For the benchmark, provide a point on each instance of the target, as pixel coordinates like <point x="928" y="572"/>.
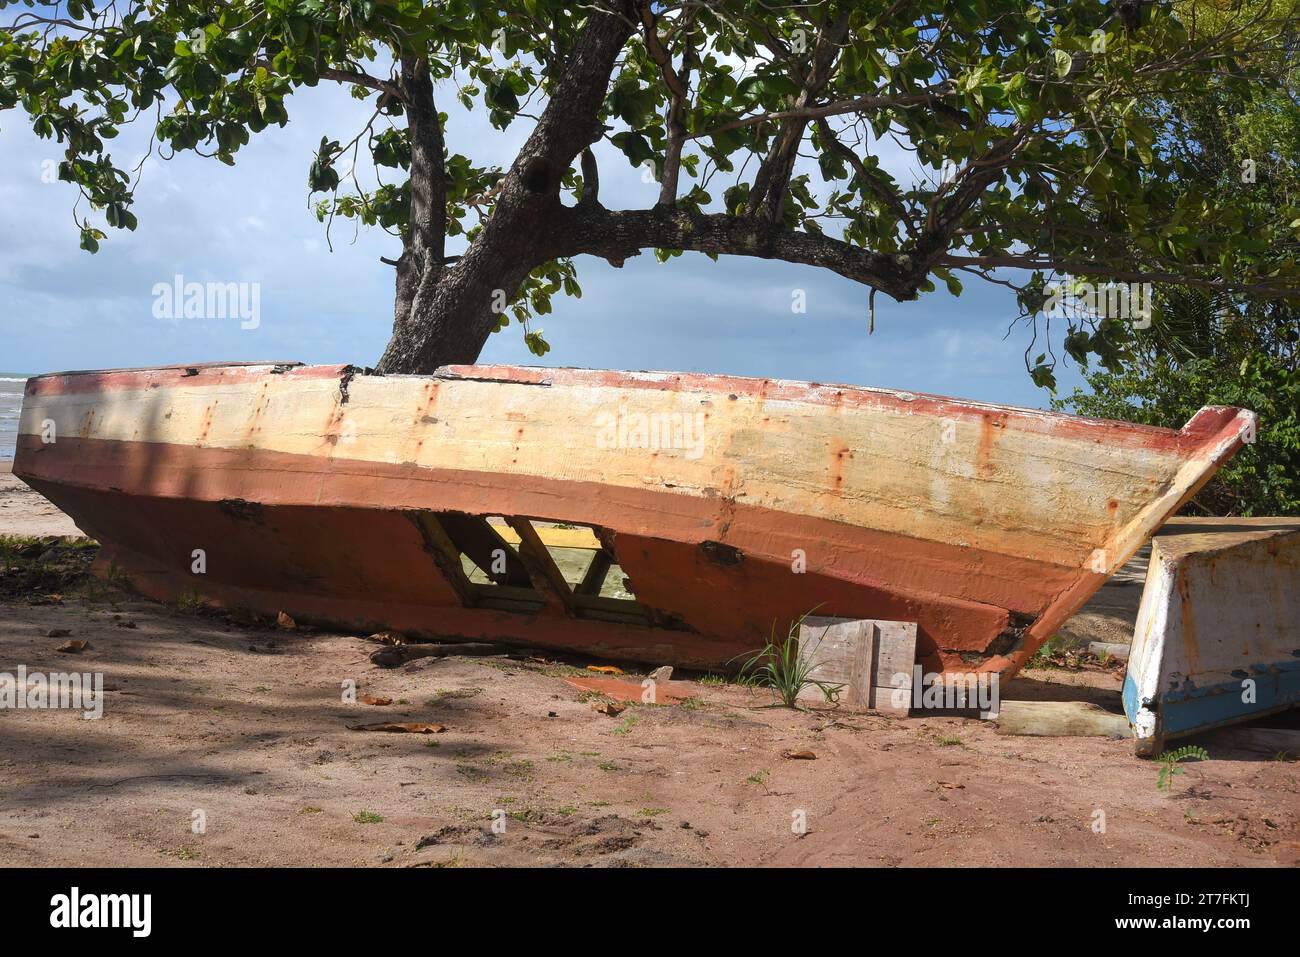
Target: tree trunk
<point x="452" y="310"/>
<point x="456" y="308"/>
<point x="424" y="243"/>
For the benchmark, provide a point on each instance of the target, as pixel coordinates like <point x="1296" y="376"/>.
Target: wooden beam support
<point x="445" y="556"/>
<point x="594" y="579"/>
<point x="545" y="575"/>
<point x="476" y="537"/>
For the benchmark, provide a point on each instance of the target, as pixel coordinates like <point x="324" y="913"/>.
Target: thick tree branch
<point x="679" y="93"/>
<point x="617" y="235"/>
<point x="571" y="121"/>
<point x="590" y="178"/>
<point x="452" y="317"/>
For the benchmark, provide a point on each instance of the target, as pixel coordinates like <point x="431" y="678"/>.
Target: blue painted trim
<point x="1191" y="709"/>
<point x="1131" y="703"/>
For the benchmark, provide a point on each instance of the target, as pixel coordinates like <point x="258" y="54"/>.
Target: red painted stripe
<point x="199" y="374"/>
<point x="958" y="595"/>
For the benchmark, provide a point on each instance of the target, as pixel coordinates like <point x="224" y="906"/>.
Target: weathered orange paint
<point x="328" y="537"/>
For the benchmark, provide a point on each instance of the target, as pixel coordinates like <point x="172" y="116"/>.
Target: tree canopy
<point x="762" y="124"/>
<point x="1217" y="347"/>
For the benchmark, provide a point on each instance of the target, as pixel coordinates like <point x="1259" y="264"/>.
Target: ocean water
<point x="11" y="401"/>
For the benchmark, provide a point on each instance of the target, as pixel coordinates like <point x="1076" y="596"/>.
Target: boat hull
<point x="1217" y="640"/>
<point x="730" y="506"/>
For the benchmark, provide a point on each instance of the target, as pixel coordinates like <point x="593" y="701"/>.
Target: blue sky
<point x="66" y="309"/>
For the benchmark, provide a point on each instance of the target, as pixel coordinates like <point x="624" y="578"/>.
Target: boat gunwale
<point x="762" y="388"/>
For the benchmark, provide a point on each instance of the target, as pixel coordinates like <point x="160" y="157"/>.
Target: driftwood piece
<point x="1059" y="719"/>
<point x="1115" y="649"/>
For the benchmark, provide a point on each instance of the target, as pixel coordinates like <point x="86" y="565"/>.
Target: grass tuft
<point x="779" y="665"/>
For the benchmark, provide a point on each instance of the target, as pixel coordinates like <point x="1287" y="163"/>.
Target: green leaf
<point x="634" y="146"/>
<point x="1063" y="63"/>
<point x="536" y="344"/>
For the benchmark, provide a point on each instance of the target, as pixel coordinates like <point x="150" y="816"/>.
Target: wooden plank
<point x="1114" y="649"/>
<point x="445" y="556"/>
<point x="594" y="579"/>
<point x="1059" y="719"/>
<point x="522" y="601"/>
<point x="474" y="536"/>
<point x="552" y="536"/>
<point x="546" y="577"/>
<point x="871" y="658"/>
<point x="622" y="610"/>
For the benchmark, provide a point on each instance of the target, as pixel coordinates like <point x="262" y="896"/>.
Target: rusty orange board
<point x="708" y="509"/>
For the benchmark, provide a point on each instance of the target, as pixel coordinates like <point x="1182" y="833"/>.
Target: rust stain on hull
<point x="981" y="523"/>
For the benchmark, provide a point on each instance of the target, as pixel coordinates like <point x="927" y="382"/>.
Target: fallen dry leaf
<point x="376" y="701"/>
<point x="74" y="647"/>
<point x="799" y="755"/>
<point x="401" y="727"/>
<point x="631" y="691"/>
<point x="605" y="669"/>
<point x="388" y="638"/>
<point x="952" y="787"/>
<point x="284" y="621"/>
<point x="610" y="708"/>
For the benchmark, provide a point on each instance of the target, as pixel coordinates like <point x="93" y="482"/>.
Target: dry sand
<point x="245" y="731"/>
<point x="24" y="512"/>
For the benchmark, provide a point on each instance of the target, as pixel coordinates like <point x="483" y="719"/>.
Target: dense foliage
<point x="1236" y="146"/>
<point x="762" y="124"/>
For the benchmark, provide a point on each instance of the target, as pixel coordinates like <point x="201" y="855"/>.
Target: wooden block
<point x="871" y="658"/>
<point x="1113" y="648"/>
<point x="1059" y="719"/>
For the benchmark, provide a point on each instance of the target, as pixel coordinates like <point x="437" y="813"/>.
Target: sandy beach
<point x="25" y="512"/>
<point x="223" y="743"/>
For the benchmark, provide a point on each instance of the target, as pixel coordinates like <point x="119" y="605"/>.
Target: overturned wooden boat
<point x="658" y="517"/>
<point x="1217" y="640"/>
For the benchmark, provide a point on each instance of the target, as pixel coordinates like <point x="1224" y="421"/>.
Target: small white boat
<point x="1217" y="640"/>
